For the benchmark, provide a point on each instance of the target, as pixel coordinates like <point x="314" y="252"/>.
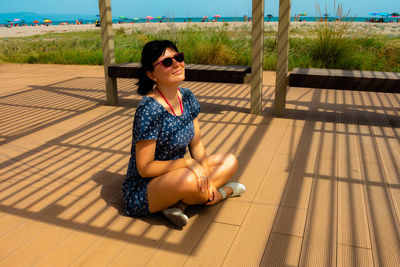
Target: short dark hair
<point x="150" y="53"/>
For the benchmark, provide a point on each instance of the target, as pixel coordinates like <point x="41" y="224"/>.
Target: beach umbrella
<point x="303" y="14"/>
<point x="395" y="14"/>
<point x="135" y="18"/>
<point x="269" y="16"/>
<point x="35" y="21"/>
<point x="149" y="17"/>
<point x="17" y="20"/>
<point x="205" y="17"/>
<point x="47" y="20"/>
<point x="217" y="16"/>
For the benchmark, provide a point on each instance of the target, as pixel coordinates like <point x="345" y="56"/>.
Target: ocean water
<point x="199" y="19"/>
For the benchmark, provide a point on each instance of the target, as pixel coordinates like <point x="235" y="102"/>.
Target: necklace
<point x="180" y="102"/>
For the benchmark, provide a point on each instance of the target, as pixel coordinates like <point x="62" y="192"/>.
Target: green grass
<point x="210" y="46"/>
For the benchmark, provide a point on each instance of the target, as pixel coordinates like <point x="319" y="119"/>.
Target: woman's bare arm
<point x="148" y="167"/>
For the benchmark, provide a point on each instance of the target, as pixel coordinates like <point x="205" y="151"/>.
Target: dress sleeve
<point x="193" y="103"/>
<point x="147" y="123"/>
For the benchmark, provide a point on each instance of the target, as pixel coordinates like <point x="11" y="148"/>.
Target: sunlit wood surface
<point x="323" y="183"/>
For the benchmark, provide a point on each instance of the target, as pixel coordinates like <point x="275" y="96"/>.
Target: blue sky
<point x="188" y="8"/>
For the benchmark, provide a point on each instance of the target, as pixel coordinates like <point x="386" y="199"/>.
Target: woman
<point x="159" y="178"/>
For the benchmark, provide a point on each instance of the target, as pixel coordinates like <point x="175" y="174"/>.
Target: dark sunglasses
<point x="167" y="62"/>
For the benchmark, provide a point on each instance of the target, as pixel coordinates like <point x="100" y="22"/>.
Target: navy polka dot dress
<point x="172" y="134"/>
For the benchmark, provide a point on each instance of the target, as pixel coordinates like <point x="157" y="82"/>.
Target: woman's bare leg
<point x="181" y="184"/>
<point x="222" y="168"/>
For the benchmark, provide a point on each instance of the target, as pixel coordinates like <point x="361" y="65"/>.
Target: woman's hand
<point x="217" y="197"/>
<point x="204" y="182"/>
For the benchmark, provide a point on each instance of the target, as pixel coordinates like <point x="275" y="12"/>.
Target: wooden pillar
<point x="107" y="41"/>
<point x="283" y="58"/>
<point x="257" y="50"/>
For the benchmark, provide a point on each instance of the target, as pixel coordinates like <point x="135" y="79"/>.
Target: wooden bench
<point x="375" y="81"/>
<point x="193" y="72"/>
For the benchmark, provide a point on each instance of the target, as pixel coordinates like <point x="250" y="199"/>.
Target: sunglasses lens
<point x="179" y="57"/>
<point x="167" y="62"/>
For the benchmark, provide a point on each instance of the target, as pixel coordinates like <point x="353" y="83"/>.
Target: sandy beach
<point x="297" y="28"/>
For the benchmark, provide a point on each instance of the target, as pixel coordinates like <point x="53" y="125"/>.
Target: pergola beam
<point x="282" y="58"/>
<point x="257" y="53"/>
<point x="107" y="41"/>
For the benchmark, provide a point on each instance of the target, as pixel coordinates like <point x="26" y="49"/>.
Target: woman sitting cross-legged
<point x="159" y="178"/>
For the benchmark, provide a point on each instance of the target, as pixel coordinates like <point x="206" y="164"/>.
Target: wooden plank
<point x="345" y="79"/>
<point x="213" y="246"/>
<point x="352" y="217"/>
<point x="124" y="70"/>
<point x="319" y="243"/>
<point x="354" y="256"/>
<point x="282" y="250"/>
<point x="249" y="244"/>
<point x="138" y="250"/>
<point x="177" y="245"/>
<point x="193" y="72"/>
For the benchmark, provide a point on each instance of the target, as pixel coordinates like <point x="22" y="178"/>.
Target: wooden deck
<point x="323" y="182"/>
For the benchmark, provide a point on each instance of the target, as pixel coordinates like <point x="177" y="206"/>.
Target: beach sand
<point x="297" y="28"/>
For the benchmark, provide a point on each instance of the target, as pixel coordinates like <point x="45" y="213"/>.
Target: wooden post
<point x="107" y="41"/>
<point x="257" y="50"/>
<point x="283" y="57"/>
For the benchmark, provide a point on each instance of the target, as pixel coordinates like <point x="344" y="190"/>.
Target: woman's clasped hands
<point x="204" y="182"/>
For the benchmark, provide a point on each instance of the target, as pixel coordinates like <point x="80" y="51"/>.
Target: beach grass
<point x="211" y="45"/>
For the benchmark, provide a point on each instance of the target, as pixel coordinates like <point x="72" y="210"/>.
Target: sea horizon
<point x="188" y="19"/>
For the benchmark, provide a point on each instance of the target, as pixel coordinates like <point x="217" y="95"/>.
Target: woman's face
<point x="173" y="74"/>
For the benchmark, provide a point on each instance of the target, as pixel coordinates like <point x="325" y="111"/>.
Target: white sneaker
<point x="176" y="216"/>
<point x="237" y="189"/>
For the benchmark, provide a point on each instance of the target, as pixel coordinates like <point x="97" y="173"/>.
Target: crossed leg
<point x="181" y="185"/>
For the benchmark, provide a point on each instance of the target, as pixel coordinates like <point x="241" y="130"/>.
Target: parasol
<point x="149" y="17"/>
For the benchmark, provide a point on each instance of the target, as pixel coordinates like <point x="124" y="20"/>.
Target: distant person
<point x="159" y="177"/>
